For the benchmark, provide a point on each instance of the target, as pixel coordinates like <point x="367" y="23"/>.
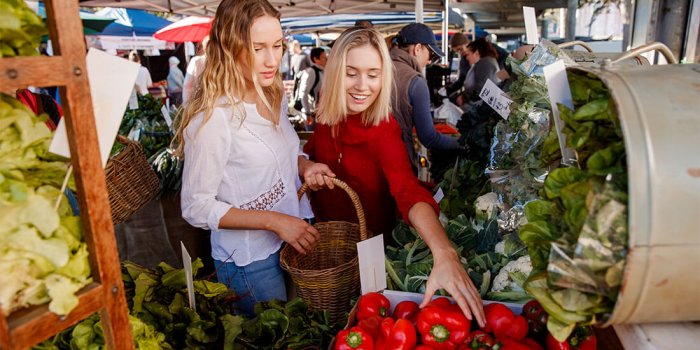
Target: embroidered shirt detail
<point x="268" y="199"/>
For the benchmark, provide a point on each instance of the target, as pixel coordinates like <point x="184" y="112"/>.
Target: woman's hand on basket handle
<point x="448" y="273"/>
<point x="298" y="233"/>
<point x="316" y="175"/>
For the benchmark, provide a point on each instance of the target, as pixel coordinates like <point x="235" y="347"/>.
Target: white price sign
<point x="496" y="99"/>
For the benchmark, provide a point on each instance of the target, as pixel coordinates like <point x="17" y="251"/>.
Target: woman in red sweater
<point x="361" y="143"/>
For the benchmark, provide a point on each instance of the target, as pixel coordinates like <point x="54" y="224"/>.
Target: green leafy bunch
<point x="42" y="253"/>
<point x="584" y="201"/>
<point x="20" y="29"/>
<point x="146" y="125"/>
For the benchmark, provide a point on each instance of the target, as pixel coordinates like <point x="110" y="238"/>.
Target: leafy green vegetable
<point x="20" y="29"/>
<point x="577" y="232"/>
<point x="41" y="248"/>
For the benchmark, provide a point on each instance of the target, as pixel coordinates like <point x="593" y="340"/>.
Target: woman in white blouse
<point x="242" y="156"/>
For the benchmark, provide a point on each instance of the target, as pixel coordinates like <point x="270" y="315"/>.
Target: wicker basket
<point x="131" y="182"/>
<point x="328" y="277"/>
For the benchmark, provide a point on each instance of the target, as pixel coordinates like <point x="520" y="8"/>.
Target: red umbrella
<point x="188" y="29"/>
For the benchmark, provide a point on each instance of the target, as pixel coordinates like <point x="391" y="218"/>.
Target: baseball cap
<point x="458" y="39"/>
<point x="419" y="33"/>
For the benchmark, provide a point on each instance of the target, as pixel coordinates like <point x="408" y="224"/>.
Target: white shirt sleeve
<point x="207" y="151"/>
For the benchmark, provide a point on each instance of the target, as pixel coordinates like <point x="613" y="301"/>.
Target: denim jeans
<point x="258" y="281"/>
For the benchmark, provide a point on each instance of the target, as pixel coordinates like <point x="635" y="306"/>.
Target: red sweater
<point x="373" y="162"/>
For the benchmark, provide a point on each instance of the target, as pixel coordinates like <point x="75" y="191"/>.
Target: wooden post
<point x="68" y="70"/>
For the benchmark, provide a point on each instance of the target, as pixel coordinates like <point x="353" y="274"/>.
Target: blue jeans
<point x="258" y="281"/>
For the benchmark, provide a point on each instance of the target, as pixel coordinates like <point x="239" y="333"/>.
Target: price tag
<point x="370" y="253"/>
<point x="559" y="92"/>
<point x="111" y="82"/>
<point x="530" y="25"/>
<point x="439" y="195"/>
<point x="496" y="99"/>
<point x="166" y="115"/>
<point x="187" y="264"/>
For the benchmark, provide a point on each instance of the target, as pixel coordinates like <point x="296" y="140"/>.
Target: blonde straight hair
<point x="229" y="47"/>
<point x="332" y="108"/>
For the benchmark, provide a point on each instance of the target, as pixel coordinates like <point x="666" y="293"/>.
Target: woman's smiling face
<point x="363" y="78"/>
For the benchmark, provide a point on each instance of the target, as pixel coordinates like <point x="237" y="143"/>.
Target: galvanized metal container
<point x="659" y="109"/>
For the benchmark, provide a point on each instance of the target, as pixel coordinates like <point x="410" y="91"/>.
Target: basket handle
<point x="127" y="141"/>
<point x="353" y="197"/>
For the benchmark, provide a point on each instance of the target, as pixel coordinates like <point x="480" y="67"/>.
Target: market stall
<point x="567" y="215"/>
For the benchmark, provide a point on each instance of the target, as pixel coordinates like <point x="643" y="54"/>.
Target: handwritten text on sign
<point x="496" y="99"/>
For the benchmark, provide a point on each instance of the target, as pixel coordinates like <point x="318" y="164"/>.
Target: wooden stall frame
<point x="67" y="69"/>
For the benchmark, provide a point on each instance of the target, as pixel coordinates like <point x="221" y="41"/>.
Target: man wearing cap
<point x="458" y="44"/>
<point x="416" y="48"/>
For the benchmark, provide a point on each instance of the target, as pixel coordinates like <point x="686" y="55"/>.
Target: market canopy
<point x="297" y="8"/>
<point x="384" y="21"/>
<point x="497" y="16"/>
<point x="132" y="22"/>
<point x="92" y="23"/>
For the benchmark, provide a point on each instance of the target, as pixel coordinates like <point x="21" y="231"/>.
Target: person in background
<point x="411" y="98"/>
<point x="193" y="69"/>
<point x="310" y="83"/>
<point x="458" y="44"/>
<point x="361" y="142"/>
<point x="143" y="79"/>
<point x="175" y="81"/>
<point x="242" y="159"/>
<point x="482" y="58"/>
<point x="364" y="23"/>
<point x="501" y="53"/>
<point x="299" y="61"/>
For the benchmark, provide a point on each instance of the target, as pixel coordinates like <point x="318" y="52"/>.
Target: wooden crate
<point x="25" y="328"/>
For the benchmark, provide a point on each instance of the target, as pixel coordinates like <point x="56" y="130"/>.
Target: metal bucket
<point x="659" y="109"/>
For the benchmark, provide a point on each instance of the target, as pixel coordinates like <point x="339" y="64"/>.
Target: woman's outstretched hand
<point x="449" y="274"/>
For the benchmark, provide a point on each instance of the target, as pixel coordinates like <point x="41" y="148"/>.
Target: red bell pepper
<point x="536" y="319"/>
<point x="372" y="304"/>
<point x="503" y="323"/>
<point x="512" y="344"/>
<point x="396" y="335"/>
<point x="354" y="339"/>
<point x="582" y="338"/>
<point x="478" y="339"/>
<point x="423" y="347"/>
<point x="371" y="325"/>
<point x="442" y="327"/>
<point x="406" y="309"/>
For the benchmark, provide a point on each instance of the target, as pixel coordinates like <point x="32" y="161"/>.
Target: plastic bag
<point x="514" y="168"/>
<point x="596" y="263"/>
<point x="544" y="54"/>
<point x="449" y="111"/>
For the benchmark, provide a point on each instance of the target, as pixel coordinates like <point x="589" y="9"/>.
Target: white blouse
<point x="251" y="165"/>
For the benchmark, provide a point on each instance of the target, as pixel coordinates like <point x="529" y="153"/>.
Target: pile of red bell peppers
<point x="441" y="325"/>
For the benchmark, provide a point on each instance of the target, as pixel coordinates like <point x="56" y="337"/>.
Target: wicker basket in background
<point x="328" y="277"/>
<point x="131" y="182"/>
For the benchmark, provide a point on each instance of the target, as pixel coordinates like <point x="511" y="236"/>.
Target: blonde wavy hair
<point x="332" y="108"/>
<point x="228" y="53"/>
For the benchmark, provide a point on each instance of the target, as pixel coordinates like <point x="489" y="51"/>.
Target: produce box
<point x="396" y="297"/>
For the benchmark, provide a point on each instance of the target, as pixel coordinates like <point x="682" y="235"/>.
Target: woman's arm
<point x="448" y="273"/>
<point x="298" y="233"/>
<point x="420" y="210"/>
